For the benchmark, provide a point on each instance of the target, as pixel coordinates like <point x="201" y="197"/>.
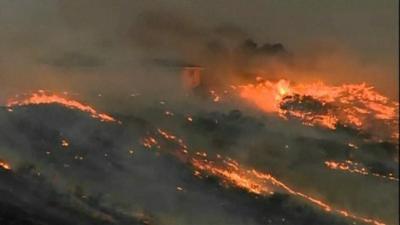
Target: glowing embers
<point x="309" y="110"/>
<point x="356" y="168"/>
<point x="150" y="142"/>
<point x="42" y="97"/>
<point x="173" y="138"/>
<point x="232" y="173"/>
<point x="316" y="202"/>
<point x="215" y="97"/>
<point x="64" y="143"/>
<point x="4" y="165"/>
<point x="357" y="106"/>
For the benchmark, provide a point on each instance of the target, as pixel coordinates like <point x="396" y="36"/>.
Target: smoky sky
<point x="125" y="58"/>
<point x="74" y="45"/>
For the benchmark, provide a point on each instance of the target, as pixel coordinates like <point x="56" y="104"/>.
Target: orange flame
<point x="64" y="143"/>
<point x="4" y="165"/>
<point x="259" y="183"/>
<point x="234" y="176"/>
<point x="149" y="142"/>
<point x="251" y="180"/>
<point x="41" y="97"/>
<point x="215" y="96"/>
<point x="352" y="105"/>
<point x="171" y="137"/>
<point x="357" y="168"/>
<point x="267" y="95"/>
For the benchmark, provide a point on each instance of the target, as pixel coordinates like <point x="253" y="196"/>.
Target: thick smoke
<point x="126" y="58"/>
<point x="230" y="55"/>
<point x="226" y="53"/>
<point x="90" y="48"/>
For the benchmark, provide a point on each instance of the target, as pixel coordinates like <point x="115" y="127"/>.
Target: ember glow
<point x="64" y="143"/>
<point x="228" y="170"/>
<point x="130" y="112"/>
<point x="232" y="173"/>
<point x="356" y="168"/>
<point x="42" y="97"/>
<point x="350" y="105"/>
<point x="4" y="165"/>
<point x="173" y="138"/>
<point x="215" y="97"/>
<point x="233" y="177"/>
<point x="280" y="96"/>
<point x="149" y="142"/>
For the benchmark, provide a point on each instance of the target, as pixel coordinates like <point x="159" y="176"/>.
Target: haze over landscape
<point x="187" y="112"/>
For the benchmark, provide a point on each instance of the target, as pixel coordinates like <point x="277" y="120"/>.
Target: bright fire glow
<point x="232" y="173"/>
<point x="5" y="165"/>
<point x="64" y="143"/>
<point x="352" y="105"/>
<point x="149" y="142"/>
<point x="42" y="97"/>
<point x="357" y="168"/>
<point x="215" y="96"/>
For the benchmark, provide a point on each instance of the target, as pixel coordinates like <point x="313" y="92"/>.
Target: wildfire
<point x="357" y="168"/>
<point x="351" y="105"/>
<point x="42" y="97"/>
<point x="267" y="95"/>
<point x="64" y="143"/>
<point x="232" y="176"/>
<point x="149" y="142"/>
<point x="260" y="183"/>
<point x="215" y="97"/>
<point x="353" y="146"/>
<point x="4" y="165"/>
<point x="169" y="113"/>
<point x="171" y="137"/>
<point x="232" y="173"/>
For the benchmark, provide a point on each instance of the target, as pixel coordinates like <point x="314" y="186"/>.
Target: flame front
<point x="266" y="95"/>
<point x="41" y="97"/>
<point x="231" y="173"/>
<point x="315" y="104"/>
<point x="350" y="105"/>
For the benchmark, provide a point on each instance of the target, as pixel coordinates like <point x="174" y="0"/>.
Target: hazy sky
<point x="131" y="52"/>
<point x="38" y="33"/>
